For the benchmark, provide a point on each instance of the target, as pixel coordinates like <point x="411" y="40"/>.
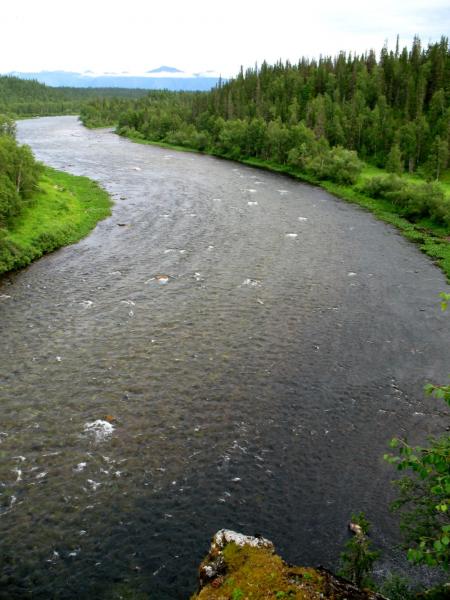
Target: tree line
<point x="392" y="111"/>
<point x="29" y="98"/>
<point x="19" y="173"/>
<point x="19" y="177"/>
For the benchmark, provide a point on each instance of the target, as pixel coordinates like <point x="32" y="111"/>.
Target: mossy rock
<point x="246" y="568"/>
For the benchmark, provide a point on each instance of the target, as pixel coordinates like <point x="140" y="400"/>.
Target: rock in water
<point x="100" y="429"/>
<point x="227" y="536"/>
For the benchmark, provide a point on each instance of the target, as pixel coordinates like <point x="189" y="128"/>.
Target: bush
<point x="7" y="126"/>
<point x="415" y="201"/>
<point x="201" y="140"/>
<point x="394" y="163"/>
<point x="377" y="187"/>
<point x="338" y="165"/>
<point x="423" y="200"/>
<point x="397" y="588"/>
<point x="8" y="253"/>
<point x="9" y="200"/>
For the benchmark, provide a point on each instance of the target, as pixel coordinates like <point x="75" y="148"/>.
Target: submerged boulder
<point x="245" y="567"/>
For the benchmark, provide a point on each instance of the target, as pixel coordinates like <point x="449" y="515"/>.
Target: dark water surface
<point x="256" y="390"/>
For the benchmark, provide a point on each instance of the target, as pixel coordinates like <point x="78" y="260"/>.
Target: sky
<point x="200" y="35"/>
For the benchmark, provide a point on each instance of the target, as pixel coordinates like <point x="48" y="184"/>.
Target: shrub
<point x="396" y="587"/>
<point x="415" y="201"/>
<point x="9" y="200"/>
<point x="377" y="187"/>
<point x="338" y="165"/>
<point x="423" y="200"/>
<point x="7" y="126"/>
<point x="394" y="163"/>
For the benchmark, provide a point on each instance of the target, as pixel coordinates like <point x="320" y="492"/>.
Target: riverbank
<point x="64" y="210"/>
<point x="258" y="336"/>
<point x="433" y="239"/>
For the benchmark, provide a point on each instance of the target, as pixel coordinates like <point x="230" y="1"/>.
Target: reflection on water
<point x="206" y="364"/>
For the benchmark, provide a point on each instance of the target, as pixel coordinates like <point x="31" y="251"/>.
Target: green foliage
<point x="9" y="198"/>
<point x="415" y="200"/>
<point x="390" y="110"/>
<point x="437" y="158"/>
<point x="380" y="186"/>
<point x="438" y="391"/>
<point x="440" y="592"/>
<point x="424" y="494"/>
<point x="422" y="201"/>
<point x="396" y="587"/>
<point x="445" y="299"/>
<point x="19" y="175"/>
<point x="423" y="499"/>
<point x="394" y="162"/>
<point x="338" y="165"/>
<point x="7" y="126"/>
<point x="27" y="98"/>
<point x="64" y="209"/>
<point x="358" y="558"/>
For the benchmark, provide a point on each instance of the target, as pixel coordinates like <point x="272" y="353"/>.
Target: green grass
<point x="371" y="171"/>
<point x="64" y="210"/>
<point x="432" y="238"/>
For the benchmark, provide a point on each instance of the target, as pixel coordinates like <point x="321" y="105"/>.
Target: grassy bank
<point x="64" y="210"/>
<point x="432" y="238"/>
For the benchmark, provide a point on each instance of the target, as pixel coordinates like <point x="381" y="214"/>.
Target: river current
<point x="231" y="348"/>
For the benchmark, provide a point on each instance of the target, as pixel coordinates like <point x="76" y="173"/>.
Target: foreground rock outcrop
<point x="240" y="567"/>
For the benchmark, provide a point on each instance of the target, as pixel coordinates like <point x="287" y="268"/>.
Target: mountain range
<point x="164" y="77"/>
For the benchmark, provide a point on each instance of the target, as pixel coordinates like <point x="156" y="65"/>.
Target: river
<point x="249" y="345"/>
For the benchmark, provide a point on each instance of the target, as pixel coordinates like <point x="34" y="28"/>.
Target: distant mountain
<point x="165" y="69"/>
<point x="149" y="81"/>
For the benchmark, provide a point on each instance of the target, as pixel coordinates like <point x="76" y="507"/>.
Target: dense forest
<point x="25" y="98"/>
<point x="393" y="111"/>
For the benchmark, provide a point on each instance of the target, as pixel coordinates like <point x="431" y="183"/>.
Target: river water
<point x="254" y="387"/>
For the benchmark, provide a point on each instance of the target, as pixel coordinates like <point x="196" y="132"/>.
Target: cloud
<point x="198" y="35"/>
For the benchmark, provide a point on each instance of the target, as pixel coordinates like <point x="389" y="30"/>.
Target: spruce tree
<point x="437" y="158"/>
<point x="394" y="163"/>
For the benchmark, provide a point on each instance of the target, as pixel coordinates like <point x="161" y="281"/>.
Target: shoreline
<point x="65" y="209"/>
<point x="30" y="238"/>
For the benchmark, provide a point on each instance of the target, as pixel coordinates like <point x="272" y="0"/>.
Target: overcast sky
<point x="197" y="35"/>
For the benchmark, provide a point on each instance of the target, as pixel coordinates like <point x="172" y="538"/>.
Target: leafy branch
<point x="424" y="493"/>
